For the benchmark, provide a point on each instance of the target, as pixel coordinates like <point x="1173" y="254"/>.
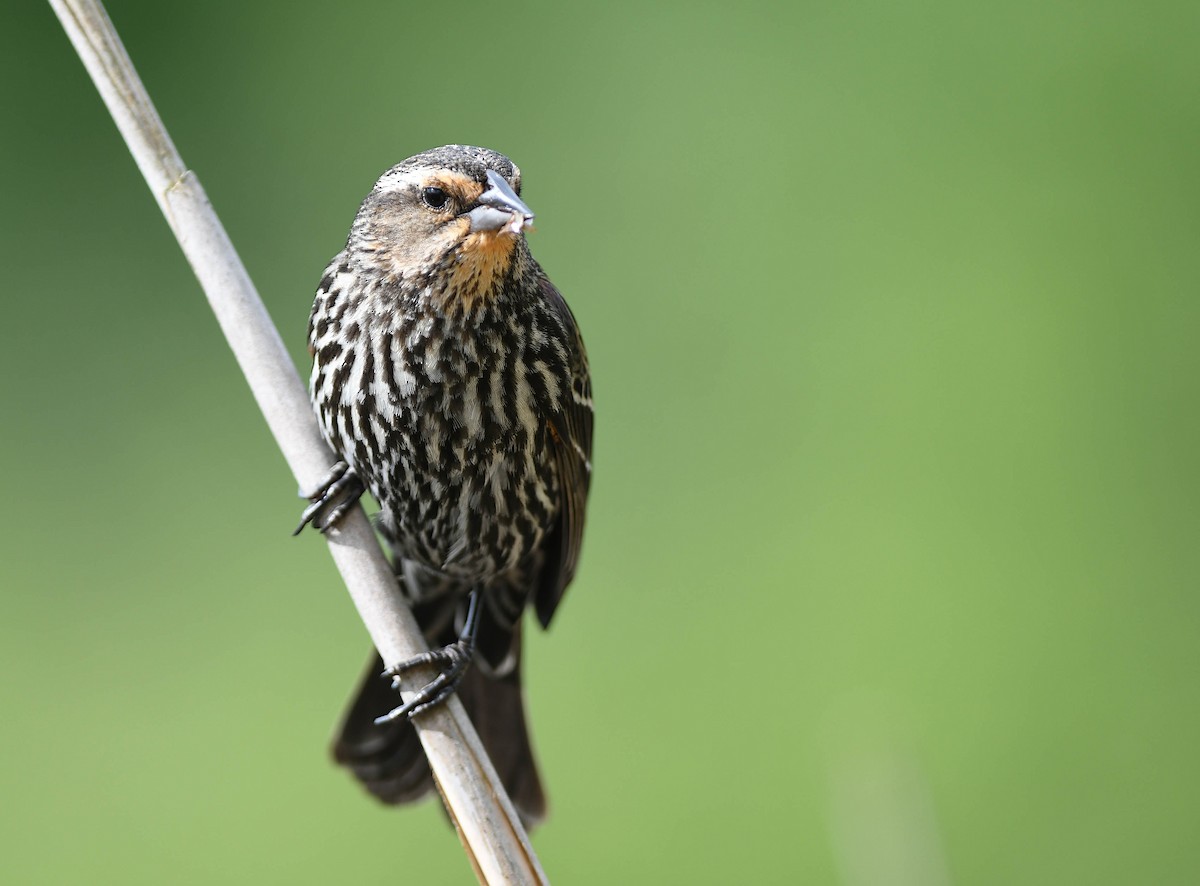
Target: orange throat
<point x="484" y="258"/>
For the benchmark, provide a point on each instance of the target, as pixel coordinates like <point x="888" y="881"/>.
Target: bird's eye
<point x="435" y="198"/>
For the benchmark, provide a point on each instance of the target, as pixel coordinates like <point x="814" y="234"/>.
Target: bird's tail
<point x="388" y="758"/>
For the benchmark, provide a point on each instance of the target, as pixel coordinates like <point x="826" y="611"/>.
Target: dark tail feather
<point x="388" y="759"/>
<point x="390" y="762"/>
<point x="497" y="709"/>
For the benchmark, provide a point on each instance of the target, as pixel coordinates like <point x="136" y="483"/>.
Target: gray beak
<point x="499" y="207"/>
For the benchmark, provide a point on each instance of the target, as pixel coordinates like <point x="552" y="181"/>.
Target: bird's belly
<point x="450" y="439"/>
<point x="469" y="513"/>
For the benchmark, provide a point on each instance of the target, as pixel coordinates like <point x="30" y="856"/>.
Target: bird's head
<point x="454" y="210"/>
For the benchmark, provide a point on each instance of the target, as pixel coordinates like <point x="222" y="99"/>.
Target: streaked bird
<point x="450" y="377"/>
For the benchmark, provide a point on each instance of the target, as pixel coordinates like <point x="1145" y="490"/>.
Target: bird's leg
<point x="453" y="661"/>
<point x="337" y="494"/>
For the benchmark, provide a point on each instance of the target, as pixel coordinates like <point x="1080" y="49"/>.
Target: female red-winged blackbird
<point x="449" y="375"/>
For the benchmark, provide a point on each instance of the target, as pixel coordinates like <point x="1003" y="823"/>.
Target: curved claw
<point x="452" y="661"/>
<point x="336" y="495"/>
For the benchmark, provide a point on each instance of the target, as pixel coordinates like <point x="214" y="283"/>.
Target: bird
<point x="450" y="378"/>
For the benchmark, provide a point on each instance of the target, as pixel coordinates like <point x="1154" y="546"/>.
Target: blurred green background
<point x="892" y="559"/>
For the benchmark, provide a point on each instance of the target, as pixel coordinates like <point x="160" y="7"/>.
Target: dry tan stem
<point x="496" y="844"/>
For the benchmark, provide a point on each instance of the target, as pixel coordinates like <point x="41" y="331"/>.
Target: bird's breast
<point x="447" y="427"/>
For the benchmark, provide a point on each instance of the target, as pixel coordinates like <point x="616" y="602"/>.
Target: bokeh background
<point x="891" y="570"/>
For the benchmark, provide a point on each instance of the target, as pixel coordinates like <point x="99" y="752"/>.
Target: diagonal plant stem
<point x="488" y="826"/>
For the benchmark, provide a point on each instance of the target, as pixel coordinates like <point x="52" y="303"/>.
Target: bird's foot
<point x="337" y="494"/>
<point x="452" y="662"/>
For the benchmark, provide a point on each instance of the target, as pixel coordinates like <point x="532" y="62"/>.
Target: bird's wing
<point x="570" y="429"/>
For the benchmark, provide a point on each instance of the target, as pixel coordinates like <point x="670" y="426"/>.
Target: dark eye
<point x="435" y="198"/>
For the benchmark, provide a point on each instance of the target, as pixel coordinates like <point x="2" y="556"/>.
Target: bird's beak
<point x="500" y="209"/>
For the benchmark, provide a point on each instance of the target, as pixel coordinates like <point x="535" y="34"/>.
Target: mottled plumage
<point x="449" y="374"/>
